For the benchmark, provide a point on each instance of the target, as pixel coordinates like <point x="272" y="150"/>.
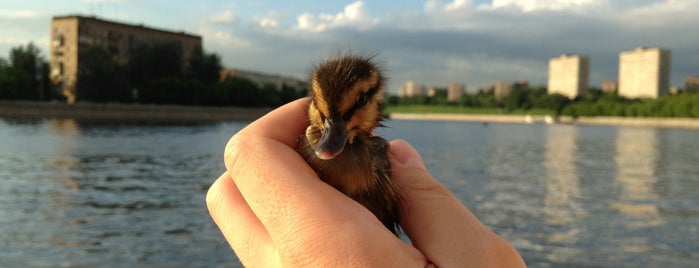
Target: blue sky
<point x="433" y="42"/>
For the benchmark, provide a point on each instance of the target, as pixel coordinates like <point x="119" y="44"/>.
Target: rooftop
<point x="122" y="24"/>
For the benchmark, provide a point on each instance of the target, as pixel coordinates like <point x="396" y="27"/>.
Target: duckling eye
<point x="362" y="99"/>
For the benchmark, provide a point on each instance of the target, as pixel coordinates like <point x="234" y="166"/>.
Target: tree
<point x="9" y="88"/>
<point x="270" y="95"/>
<point x="152" y="61"/>
<point x="204" y="67"/>
<point x="516" y="99"/>
<point x="173" y="90"/>
<point x="25" y="75"/>
<point x="486" y="99"/>
<point x="288" y="94"/>
<point x="555" y="102"/>
<point x="101" y="78"/>
<point x="239" y="92"/>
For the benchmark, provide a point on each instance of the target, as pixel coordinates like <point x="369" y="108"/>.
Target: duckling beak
<point x="332" y="139"/>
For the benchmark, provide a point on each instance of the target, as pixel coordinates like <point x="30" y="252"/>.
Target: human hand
<point x="274" y="211"/>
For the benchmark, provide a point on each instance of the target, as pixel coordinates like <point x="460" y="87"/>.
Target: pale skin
<point x="274" y="211"/>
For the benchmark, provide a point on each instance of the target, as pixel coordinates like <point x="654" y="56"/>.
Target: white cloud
<point x="352" y="14"/>
<point x="106" y="1"/>
<point x="19" y="14"/>
<point x="224" y="17"/>
<point x="268" y="23"/>
<point x="224" y="40"/>
<point x="657" y="14"/>
<point x="433" y="5"/>
<point x="458" y="4"/>
<point x="438" y="6"/>
<point x="533" y="5"/>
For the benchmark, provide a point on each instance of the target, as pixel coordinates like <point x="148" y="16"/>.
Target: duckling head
<point x="346" y="103"/>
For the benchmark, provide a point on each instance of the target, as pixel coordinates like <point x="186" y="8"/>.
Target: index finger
<point x="270" y="174"/>
<point x="283" y="124"/>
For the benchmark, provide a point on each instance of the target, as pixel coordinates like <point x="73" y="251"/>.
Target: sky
<point x="435" y="43"/>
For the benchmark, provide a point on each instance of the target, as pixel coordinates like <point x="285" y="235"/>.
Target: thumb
<point x="424" y="197"/>
<point x="404" y="156"/>
<point x="430" y="212"/>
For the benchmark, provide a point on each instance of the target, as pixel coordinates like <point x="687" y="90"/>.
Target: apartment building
<point x="262" y="79"/>
<point x="411" y="89"/>
<point x="70" y="35"/>
<point x="691" y="82"/>
<point x="609" y="86"/>
<point x="455" y="91"/>
<point x="500" y="89"/>
<point x="568" y="75"/>
<point x="644" y="73"/>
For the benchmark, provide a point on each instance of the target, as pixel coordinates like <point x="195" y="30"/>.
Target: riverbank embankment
<point x="128" y="112"/>
<point x="692" y="123"/>
<point x="112" y="112"/>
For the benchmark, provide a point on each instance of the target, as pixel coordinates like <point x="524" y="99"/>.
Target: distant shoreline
<point x="113" y="112"/>
<point x="665" y="122"/>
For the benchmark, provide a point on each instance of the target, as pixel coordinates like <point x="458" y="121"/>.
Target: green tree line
<point x="153" y="74"/>
<point x="519" y="98"/>
<point x="24" y="76"/>
<point x="593" y="102"/>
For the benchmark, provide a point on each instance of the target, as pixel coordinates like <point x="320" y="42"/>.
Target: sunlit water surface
<point x="122" y="195"/>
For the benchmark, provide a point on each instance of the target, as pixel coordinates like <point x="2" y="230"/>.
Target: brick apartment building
<point x="72" y="34"/>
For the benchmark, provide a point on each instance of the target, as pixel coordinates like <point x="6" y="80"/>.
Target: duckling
<point x="346" y="93"/>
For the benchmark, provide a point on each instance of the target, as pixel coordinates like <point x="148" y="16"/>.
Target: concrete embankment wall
<point x="636" y="121"/>
<point x="129" y="112"/>
<point x="601" y="120"/>
<point x="460" y="117"/>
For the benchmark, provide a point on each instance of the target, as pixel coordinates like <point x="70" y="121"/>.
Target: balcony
<point x="58" y="41"/>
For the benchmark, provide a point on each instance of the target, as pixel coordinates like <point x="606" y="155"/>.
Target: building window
<point x="83" y="30"/>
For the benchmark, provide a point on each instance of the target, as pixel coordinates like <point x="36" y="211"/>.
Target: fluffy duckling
<point x="346" y="105"/>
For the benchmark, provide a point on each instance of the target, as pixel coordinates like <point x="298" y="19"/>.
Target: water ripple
<point x="77" y="194"/>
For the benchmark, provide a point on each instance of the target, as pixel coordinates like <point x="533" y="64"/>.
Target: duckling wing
<point x="385" y="194"/>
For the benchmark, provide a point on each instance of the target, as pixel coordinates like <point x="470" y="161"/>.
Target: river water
<point x="76" y="194"/>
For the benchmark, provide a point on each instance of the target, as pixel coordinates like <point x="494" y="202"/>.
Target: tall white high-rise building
<point x="644" y="73"/>
<point x="454" y="92"/>
<point x="568" y="75"/>
<point x="412" y="89"/>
